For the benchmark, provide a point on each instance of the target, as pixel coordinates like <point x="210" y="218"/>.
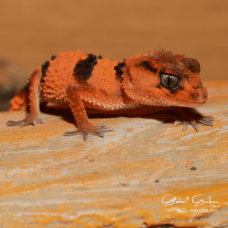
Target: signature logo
<point x="197" y="200"/>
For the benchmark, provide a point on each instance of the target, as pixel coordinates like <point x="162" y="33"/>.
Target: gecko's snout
<point x="202" y="95"/>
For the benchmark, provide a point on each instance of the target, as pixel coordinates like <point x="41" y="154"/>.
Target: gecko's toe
<point x="177" y="122"/>
<point x="191" y="116"/>
<point x="185" y="125"/>
<point x="72" y="133"/>
<point x="20" y="123"/>
<point x="98" y="130"/>
<point x="13" y="123"/>
<point x="195" y="125"/>
<point x="101" y="124"/>
<point x="40" y="121"/>
<point x="27" y="121"/>
<point x="85" y="136"/>
<point x="101" y="129"/>
<point x="207" y="120"/>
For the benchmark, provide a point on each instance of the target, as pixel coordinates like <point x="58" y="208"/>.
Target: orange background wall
<point x="31" y="31"/>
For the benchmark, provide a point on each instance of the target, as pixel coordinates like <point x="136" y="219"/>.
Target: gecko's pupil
<point x="169" y="81"/>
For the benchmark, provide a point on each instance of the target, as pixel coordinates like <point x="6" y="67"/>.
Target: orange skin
<point x="157" y="78"/>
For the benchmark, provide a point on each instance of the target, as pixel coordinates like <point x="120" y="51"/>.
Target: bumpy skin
<point x="88" y="81"/>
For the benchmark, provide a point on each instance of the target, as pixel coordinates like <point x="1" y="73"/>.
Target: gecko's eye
<point x="169" y="81"/>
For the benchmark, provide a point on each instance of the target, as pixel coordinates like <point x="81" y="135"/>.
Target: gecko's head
<point x="161" y="78"/>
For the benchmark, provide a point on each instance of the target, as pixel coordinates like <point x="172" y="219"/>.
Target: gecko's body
<point x="88" y="81"/>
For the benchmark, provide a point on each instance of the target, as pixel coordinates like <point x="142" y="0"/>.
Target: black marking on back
<point x="118" y="69"/>
<point x="83" y="69"/>
<point x="148" y="66"/>
<point x="45" y="67"/>
<point x="53" y="57"/>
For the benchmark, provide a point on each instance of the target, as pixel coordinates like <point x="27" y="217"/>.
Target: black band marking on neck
<point x="148" y="66"/>
<point x="118" y="69"/>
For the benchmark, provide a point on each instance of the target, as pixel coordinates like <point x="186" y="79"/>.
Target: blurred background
<point x="31" y="31"/>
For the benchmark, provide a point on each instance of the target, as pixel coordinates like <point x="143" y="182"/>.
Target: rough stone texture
<point x="118" y="181"/>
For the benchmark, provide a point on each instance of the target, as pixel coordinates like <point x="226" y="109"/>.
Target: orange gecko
<point x="82" y="80"/>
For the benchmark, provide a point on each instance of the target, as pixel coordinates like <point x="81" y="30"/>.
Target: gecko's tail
<point x="19" y="100"/>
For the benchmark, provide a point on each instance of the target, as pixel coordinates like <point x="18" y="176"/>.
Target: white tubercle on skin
<point x="130" y="84"/>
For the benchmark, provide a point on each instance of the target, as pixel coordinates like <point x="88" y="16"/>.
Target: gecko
<point x="157" y="78"/>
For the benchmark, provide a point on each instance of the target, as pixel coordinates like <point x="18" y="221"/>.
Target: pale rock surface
<point x="50" y="180"/>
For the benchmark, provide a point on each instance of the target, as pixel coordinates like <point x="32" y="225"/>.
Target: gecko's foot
<point x="27" y="121"/>
<point x="194" y="118"/>
<point x="98" y="130"/>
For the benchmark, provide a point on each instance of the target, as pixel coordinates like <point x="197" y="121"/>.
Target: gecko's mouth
<point x="175" y="103"/>
<point x="186" y="102"/>
<point x="192" y="104"/>
<point x="196" y="98"/>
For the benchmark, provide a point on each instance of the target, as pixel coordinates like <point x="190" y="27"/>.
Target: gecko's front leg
<point x="84" y="126"/>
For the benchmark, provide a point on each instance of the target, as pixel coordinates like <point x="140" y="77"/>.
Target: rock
<point x="140" y="175"/>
